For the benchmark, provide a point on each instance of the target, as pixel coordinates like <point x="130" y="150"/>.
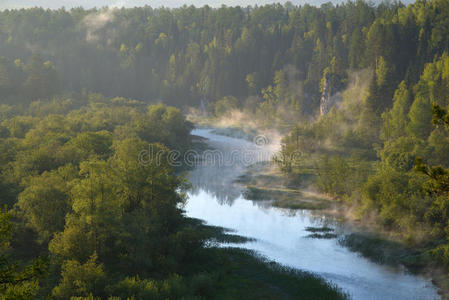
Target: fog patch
<point x="96" y="22"/>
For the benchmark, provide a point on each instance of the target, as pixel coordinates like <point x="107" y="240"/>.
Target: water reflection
<point x="217" y="174"/>
<point x="282" y="234"/>
<point x="217" y="182"/>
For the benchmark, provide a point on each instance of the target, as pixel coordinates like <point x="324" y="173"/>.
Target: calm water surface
<point x="280" y="234"/>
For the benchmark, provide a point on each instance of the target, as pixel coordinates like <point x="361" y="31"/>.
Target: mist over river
<point x="280" y="234"/>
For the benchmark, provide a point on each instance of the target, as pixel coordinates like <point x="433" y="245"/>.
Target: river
<point x="280" y="235"/>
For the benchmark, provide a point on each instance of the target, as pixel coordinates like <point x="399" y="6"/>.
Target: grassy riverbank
<point x="236" y="273"/>
<point x="233" y="273"/>
<point x="265" y="182"/>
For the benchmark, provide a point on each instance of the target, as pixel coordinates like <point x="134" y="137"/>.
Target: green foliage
<point x="440" y="115"/>
<point x="179" y="56"/>
<point x="173" y="287"/>
<point x="339" y="176"/>
<point x="395" y="120"/>
<point x="332" y="175"/>
<point x="80" y="280"/>
<point x="166" y="125"/>
<point x="420" y="116"/>
<point x="88" y="144"/>
<point x="88" y="185"/>
<point x="37" y="79"/>
<point x="41" y="79"/>
<point x="186" y="54"/>
<point x="16" y="281"/>
<point x="225" y="106"/>
<point x="44" y="203"/>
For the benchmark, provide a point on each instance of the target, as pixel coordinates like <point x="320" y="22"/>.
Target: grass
<point x="285" y="198"/>
<point x="285" y="191"/>
<point x="217" y="235"/>
<point x="322" y="236"/>
<point x="234" y="273"/>
<point x="264" y="182"/>
<point x="248" y="276"/>
<point x="256" y="278"/>
<point x="319" y="229"/>
<point x="321" y="233"/>
<point x="387" y="252"/>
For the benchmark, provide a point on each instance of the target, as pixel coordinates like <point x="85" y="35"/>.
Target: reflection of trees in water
<point x="218" y="170"/>
<point x="224" y="194"/>
<point x="216" y="181"/>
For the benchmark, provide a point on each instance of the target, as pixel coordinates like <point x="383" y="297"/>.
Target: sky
<point x="54" y="4"/>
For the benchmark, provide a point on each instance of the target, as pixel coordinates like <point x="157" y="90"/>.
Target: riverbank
<point x="265" y="182"/>
<point x="237" y="273"/>
<point x="304" y="239"/>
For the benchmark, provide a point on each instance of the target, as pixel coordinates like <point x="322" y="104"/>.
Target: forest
<point x="361" y="91"/>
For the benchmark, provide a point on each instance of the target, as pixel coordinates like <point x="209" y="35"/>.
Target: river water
<point x="280" y="234"/>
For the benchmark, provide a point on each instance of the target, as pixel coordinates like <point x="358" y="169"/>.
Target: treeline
<point x="385" y="152"/>
<point x="270" y="54"/>
<point x="102" y="218"/>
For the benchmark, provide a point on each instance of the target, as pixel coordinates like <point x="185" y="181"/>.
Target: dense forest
<point x="183" y="55"/>
<point x="82" y="217"/>
<point x="383" y="148"/>
<point x="271" y="58"/>
<point x="76" y="184"/>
